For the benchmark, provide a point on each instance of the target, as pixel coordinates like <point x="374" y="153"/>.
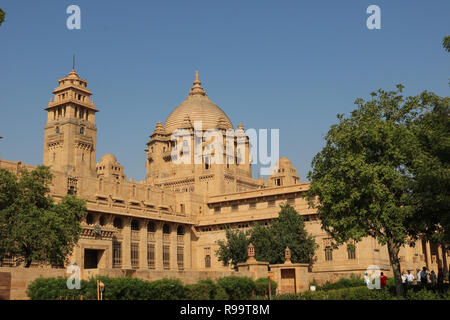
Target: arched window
<point x="180" y="230"/>
<point x="102" y="221"/>
<point x="57" y="129"/>
<point x="89" y="219"/>
<point x="82" y="130"/>
<point x="117" y="223"/>
<point x="328" y="253"/>
<point x="135" y="225"/>
<point x="166" y="229"/>
<point x="151" y="227"/>
<point x="208" y="261"/>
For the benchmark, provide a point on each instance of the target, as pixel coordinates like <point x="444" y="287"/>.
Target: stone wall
<point x="21" y="278"/>
<point x="5" y="285"/>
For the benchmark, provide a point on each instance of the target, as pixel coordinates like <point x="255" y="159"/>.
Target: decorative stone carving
<point x="251" y="251"/>
<point x="287" y="255"/>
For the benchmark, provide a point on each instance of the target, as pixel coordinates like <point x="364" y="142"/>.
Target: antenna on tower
<point x="73" y="65"/>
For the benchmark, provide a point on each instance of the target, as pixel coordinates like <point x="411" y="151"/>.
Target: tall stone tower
<point x="70" y="135"/>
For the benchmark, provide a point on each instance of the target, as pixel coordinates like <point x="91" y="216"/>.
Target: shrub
<point x="166" y="289"/>
<point x="237" y="288"/>
<point x="353" y="281"/>
<point x="364" y="293"/>
<point x="115" y="289"/>
<point x="203" y="290"/>
<point x="262" y="287"/>
<point x="122" y="288"/>
<point x="47" y="289"/>
<point x="221" y="294"/>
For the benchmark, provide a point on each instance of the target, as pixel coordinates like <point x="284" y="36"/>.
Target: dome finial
<point x="197" y="88"/>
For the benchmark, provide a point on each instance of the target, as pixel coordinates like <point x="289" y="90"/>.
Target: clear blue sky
<point x="291" y="65"/>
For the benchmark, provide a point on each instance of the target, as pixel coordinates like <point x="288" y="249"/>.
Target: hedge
<point x="364" y="293"/>
<point x="237" y="288"/>
<point x="226" y="288"/>
<point x="203" y="290"/>
<point x="353" y="281"/>
<point x="262" y="287"/>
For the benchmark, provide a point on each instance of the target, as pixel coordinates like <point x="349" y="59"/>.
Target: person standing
<point x="424" y="277"/>
<point x="404" y="280"/>
<point x="409" y="278"/>
<point x="366" y="279"/>
<point x="440" y="277"/>
<point x="433" y="278"/>
<point x="418" y="276"/>
<point x="383" y="279"/>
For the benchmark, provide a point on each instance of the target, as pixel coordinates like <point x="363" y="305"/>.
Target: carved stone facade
<point x="171" y="221"/>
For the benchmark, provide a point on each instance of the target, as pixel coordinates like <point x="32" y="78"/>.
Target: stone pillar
<point x="126" y="244"/>
<point x="143" y="264"/>
<point x="438" y="256"/>
<point x="158" y="246"/>
<point x="444" y="259"/>
<point x="173" y="247"/>
<point x="187" y="248"/>
<point x="428" y="255"/>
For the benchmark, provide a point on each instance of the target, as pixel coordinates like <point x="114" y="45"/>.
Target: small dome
<point x="73" y="75"/>
<point x="282" y="164"/>
<point x="197" y="107"/>
<point x="108" y="158"/>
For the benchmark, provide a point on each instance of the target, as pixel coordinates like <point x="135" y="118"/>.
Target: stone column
<point x="173" y="247"/>
<point x="126" y="244"/>
<point x="143" y="264"/>
<point x="444" y="259"/>
<point x="158" y="246"/>
<point x="428" y="249"/>
<point x="187" y="248"/>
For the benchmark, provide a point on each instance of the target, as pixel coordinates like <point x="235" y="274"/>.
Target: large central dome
<point x="197" y="107"/>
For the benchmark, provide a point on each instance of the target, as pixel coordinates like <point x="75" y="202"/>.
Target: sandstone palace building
<point x="168" y="224"/>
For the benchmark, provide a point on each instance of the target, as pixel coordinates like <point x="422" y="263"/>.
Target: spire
<point x="159" y="128"/>
<point x="186" y="123"/>
<point x="197" y="88"/>
<point x="221" y="123"/>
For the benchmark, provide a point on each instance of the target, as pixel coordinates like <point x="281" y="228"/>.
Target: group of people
<point x="423" y="278"/>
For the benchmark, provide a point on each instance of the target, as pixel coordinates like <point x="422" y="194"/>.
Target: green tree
<point x="234" y="249"/>
<point x="27" y="212"/>
<point x="446" y="43"/>
<point x="431" y="168"/>
<point x="2" y="16"/>
<point x="269" y="241"/>
<point x="362" y="177"/>
<point x="286" y="231"/>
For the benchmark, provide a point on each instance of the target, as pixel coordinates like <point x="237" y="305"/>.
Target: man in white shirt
<point x="366" y="279"/>
<point x="404" y="277"/>
<point x="418" y="276"/>
<point x="410" y="278"/>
